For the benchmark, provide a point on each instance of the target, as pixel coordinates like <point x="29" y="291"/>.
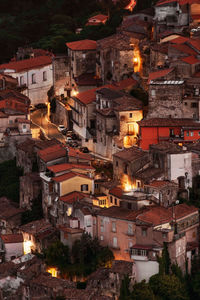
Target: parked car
<point x="40" y="105"/>
<point x="32" y="108"/>
<point x="73" y="144"/>
<point x="61" y="128"/>
<point x="84" y="150"/>
<point x="69" y="139"/>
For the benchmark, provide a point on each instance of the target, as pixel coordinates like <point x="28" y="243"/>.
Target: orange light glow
<point x="53" y="271"/>
<point x="27" y="247"/>
<point x="74" y="93"/>
<point x="137" y="61"/>
<point x="127" y="184"/>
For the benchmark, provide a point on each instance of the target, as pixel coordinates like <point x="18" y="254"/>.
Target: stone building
<point x="116" y="122"/>
<point x="166" y="99"/>
<point x="107" y="281"/>
<point x="30" y="189"/>
<point x="170" y="15"/>
<point x="115" y="58"/>
<point x="61" y="72"/>
<point x="82" y="59"/>
<point x="10" y="216"/>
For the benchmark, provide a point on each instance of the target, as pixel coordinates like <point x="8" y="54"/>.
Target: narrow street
<point x="39" y="118"/>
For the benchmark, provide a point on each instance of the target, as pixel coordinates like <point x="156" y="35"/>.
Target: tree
<point x="124" y="289"/>
<point x="167" y="287"/>
<point x="164" y="261"/>
<point x="57" y="255"/>
<point x="142" y="291"/>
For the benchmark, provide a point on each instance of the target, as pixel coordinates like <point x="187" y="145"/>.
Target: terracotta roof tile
<point x="52" y="152"/>
<point x="191" y="60"/>
<point x="73" y="197"/>
<point x="160" y="215"/>
<point x="159" y="74"/>
<point x="179" y="40"/>
<point x="28" y="64"/>
<point x="37" y="227"/>
<point x="116" y="191"/>
<point x="195" y="43"/>
<point x="66" y="166"/>
<point x="69" y="176"/>
<point x="166" y="122"/>
<point x="161" y="183"/>
<point x="130" y="154"/>
<point x="82" y="45"/>
<point x="99" y="17"/>
<point x="89" y="96"/>
<point x="183" y="48"/>
<point x="12" y="238"/>
<point x="78" y="154"/>
<point x="118" y="213"/>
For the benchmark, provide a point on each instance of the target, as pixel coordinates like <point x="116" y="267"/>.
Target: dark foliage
<point x="9" y="180"/>
<point x="36" y="212"/>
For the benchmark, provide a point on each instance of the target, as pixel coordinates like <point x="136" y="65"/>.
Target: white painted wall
<point x="146" y="269"/>
<point x="13" y="249"/>
<point x="179" y="165"/>
<point x="37" y="92"/>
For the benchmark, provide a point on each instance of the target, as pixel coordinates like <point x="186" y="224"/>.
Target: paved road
<point x="39" y="117"/>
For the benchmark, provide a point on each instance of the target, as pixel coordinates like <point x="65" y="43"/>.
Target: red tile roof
<point x="23" y="121"/>
<point x="28" y="64"/>
<point x="160" y="183"/>
<point x="130" y="154"/>
<point x="116" y="191"/>
<point x="78" y="154"/>
<point x="181" y="2"/>
<point x="164" y="122"/>
<point x="119" y="213"/>
<point x="82" y="45"/>
<point x="159" y="74"/>
<point x="3" y="115"/>
<point x="52" y="153"/>
<point x="191" y="60"/>
<point x="73" y="197"/>
<point x="179" y="40"/>
<point x="89" y="96"/>
<point x="183" y="48"/>
<point x="66" y="166"/>
<point x="12" y="238"/>
<point x="69" y="175"/>
<point x="160" y="215"/>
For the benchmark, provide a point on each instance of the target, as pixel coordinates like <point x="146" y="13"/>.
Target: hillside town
<point x="105" y="139"/>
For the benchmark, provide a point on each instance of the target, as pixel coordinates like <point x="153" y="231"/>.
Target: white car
<point x="61" y="128"/>
<point x="69" y="139"/>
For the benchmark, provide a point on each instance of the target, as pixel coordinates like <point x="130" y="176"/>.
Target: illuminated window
<point x="191" y="133"/>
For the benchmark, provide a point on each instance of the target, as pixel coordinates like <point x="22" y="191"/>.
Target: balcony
<point x="46" y="176"/>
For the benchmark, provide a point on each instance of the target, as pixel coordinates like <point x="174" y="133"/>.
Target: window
<point x="44" y="76"/>
<point x="129" y="205"/>
<point x="111" y="199"/>
<point x="115" y="201"/>
<point x="185" y="103"/>
<point x="126" y="169"/>
<point x="114" y="242"/>
<point x="21" y="80"/>
<point x="199" y="133"/>
<point x="116" y="163"/>
<point x="144" y="232"/>
<point x="101" y="237"/>
<point x="191" y="133"/>
<point x="24" y="126"/>
<point x="113" y="227"/>
<point x="187" y="133"/>
<point x="102" y="228"/>
<point x="139" y="252"/>
<point x="153" y="93"/>
<point x="130" y="115"/>
<point x="130" y="229"/>
<point x="33" y="78"/>
<point x="10" y="121"/>
<point x="84" y="187"/>
<point x="194" y="104"/>
<point x="164" y="235"/>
